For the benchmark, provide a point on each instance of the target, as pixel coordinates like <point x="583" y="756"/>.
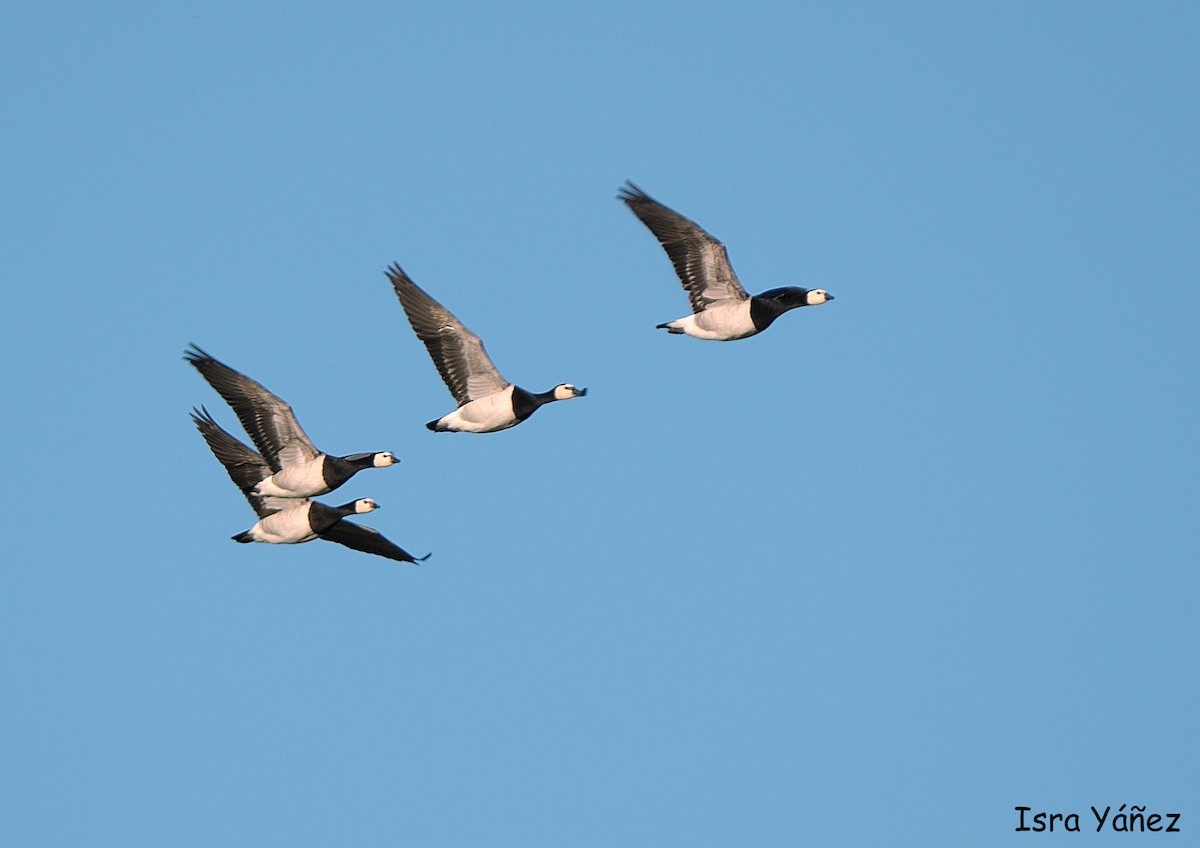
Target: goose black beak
<point x="828" y="296"/>
<point x="579" y="392"/>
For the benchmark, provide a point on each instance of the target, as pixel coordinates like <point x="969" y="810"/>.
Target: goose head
<point x="565" y="391"/>
<point x="383" y="459"/>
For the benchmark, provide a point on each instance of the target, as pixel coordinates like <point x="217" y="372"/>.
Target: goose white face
<point x="384" y="459"/>
<point x="566" y="391"/>
<point x="365" y="505"/>
<point x="818" y="296"/>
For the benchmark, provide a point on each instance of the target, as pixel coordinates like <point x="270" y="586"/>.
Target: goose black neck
<point x="526" y="403"/>
<point x="345" y="509"/>
<point x="766" y="307"/>
<point x="321" y="516"/>
<point x="336" y="470"/>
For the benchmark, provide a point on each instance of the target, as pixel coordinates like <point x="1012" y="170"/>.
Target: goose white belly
<point x="296" y="481"/>
<point x="482" y="415"/>
<point x="289" y="527"/>
<point x="719" y="322"/>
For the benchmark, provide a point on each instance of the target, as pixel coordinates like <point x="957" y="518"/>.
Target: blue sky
<point x="877" y="576"/>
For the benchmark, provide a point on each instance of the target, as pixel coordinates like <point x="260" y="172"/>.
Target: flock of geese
<point x="284" y="470"/>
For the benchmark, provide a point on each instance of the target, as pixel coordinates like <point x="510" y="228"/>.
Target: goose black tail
<point x="242" y="537"/>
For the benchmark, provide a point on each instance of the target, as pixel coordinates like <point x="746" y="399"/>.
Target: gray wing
<point x="456" y="351"/>
<point x="245" y="466"/>
<point x="699" y="259"/>
<point x="268" y="419"/>
<point x="368" y="540"/>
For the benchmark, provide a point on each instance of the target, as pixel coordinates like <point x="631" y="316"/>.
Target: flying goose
<point x="721" y="309"/>
<point x="486" y="401"/>
<point x="289" y="521"/>
<point x="296" y="468"/>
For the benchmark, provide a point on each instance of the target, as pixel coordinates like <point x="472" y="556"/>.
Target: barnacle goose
<point x="721" y="309"/>
<point x="486" y="401"/>
<point x="296" y="468"/>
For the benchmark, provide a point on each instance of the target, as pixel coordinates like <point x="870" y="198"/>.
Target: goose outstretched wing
<point x="368" y="540"/>
<point x="700" y="260"/>
<point x="268" y="418"/>
<point x="456" y="351"/>
<point x="245" y="466"/>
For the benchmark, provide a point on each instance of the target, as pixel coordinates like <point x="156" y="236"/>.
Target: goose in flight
<point x="486" y="401"/>
<point x="290" y="521"/>
<point x="296" y="469"/>
<point x="721" y="308"/>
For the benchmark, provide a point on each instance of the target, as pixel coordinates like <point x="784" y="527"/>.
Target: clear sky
<point x="875" y="577"/>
